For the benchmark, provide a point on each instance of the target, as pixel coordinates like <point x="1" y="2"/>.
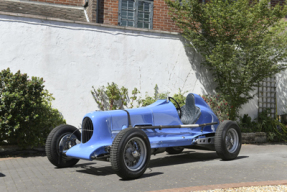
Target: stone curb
<point x="224" y="186"/>
<point x="259" y="137"/>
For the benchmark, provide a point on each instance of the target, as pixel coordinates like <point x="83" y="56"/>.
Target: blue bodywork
<point x="107" y="124"/>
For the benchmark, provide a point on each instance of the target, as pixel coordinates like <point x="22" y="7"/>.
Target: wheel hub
<point x="232" y="140"/>
<point x="67" y="141"/>
<point x="135" y="154"/>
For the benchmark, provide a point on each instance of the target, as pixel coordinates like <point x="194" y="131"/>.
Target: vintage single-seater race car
<point x="127" y="138"/>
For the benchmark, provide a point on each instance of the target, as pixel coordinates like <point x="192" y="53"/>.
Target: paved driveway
<point x="191" y="168"/>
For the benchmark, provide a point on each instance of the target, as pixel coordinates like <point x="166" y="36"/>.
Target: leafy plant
<point x="219" y="106"/>
<point x="275" y="130"/>
<point x="180" y="98"/>
<point x="247" y="125"/>
<point x="112" y="97"/>
<point x="271" y="126"/>
<point x="157" y="95"/>
<point x="242" y="42"/>
<point x="133" y="98"/>
<point x="271" y="136"/>
<point x="26" y="114"/>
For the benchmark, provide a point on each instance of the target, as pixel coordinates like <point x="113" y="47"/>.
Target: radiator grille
<point x="87" y="129"/>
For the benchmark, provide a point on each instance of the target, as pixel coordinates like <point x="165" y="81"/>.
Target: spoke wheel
<point x="227" y="140"/>
<point x="231" y="140"/>
<point x="60" y="137"/>
<point x="135" y="154"/>
<point x="130" y="153"/>
<point x="67" y="141"/>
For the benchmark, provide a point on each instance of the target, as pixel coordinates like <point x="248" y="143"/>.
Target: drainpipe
<point x="97" y="10"/>
<point x="85" y="10"/>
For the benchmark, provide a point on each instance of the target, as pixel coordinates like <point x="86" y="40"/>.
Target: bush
<point x="112" y="97"/>
<point x="247" y="125"/>
<point x="275" y="130"/>
<point x="26" y="115"/>
<point x="180" y="98"/>
<point x="219" y="106"/>
<point x="157" y="95"/>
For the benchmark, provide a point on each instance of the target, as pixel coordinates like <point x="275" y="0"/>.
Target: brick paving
<point x="43" y="9"/>
<point x="193" y="169"/>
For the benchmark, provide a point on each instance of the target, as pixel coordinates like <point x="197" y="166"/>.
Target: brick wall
<point x="64" y="2"/>
<point x="111" y="9"/>
<point x="161" y="19"/>
<point x="93" y="11"/>
<point x="97" y="8"/>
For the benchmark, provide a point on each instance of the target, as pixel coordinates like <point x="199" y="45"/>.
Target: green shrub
<point x="26" y="115"/>
<point x="157" y="95"/>
<point x="247" y="125"/>
<point x="112" y="97"/>
<point x="180" y="98"/>
<point x="219" y="106"/>
<point x="275" y="130"/>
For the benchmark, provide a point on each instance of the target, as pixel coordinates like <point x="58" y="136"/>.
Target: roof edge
<point x="86" y="23"/>
<point x="48" y="4"/>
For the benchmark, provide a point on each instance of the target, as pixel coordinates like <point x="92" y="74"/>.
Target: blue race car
<point x="127" y="138"/>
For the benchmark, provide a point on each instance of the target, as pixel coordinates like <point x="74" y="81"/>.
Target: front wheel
<point x="130" y="153"/>
<point x="62" y="138"/>
<point x="227" y="140"/>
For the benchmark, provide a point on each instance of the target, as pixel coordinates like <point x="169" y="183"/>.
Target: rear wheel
<point x="62" y="138"/>
<point x="130" y="153"/>
<point x="174" y="150"/>
<point x="227" y="140"/>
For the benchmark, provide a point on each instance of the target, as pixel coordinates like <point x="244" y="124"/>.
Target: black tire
<point x="121" y="153"/>
<point x="174" y="150"/>
<point x="52" y="145"/>
<point x="226" y="133"/>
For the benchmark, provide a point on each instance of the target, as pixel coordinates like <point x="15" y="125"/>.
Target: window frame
<point x="136" y="12"/>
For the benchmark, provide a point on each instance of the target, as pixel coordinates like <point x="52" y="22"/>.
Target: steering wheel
<point x="177" y="108"/>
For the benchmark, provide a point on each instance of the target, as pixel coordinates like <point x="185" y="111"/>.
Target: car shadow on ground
<point x="104" y="171"/>
<point x="238" y="158"/>
<point x="2" y="175"/>
<point x="184" y="157"/>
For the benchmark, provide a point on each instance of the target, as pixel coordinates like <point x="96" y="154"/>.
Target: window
<point x="136" y="13"/>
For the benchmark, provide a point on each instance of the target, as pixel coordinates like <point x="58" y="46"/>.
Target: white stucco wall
<point x="250" y="108"/>
<point x="281" y="92"/>
<point x="74" y="57"/>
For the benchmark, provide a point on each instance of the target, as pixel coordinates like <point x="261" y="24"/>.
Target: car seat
<point x="190" y="112"/>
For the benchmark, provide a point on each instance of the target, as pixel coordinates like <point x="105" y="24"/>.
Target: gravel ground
<point x="277" y="188"/>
